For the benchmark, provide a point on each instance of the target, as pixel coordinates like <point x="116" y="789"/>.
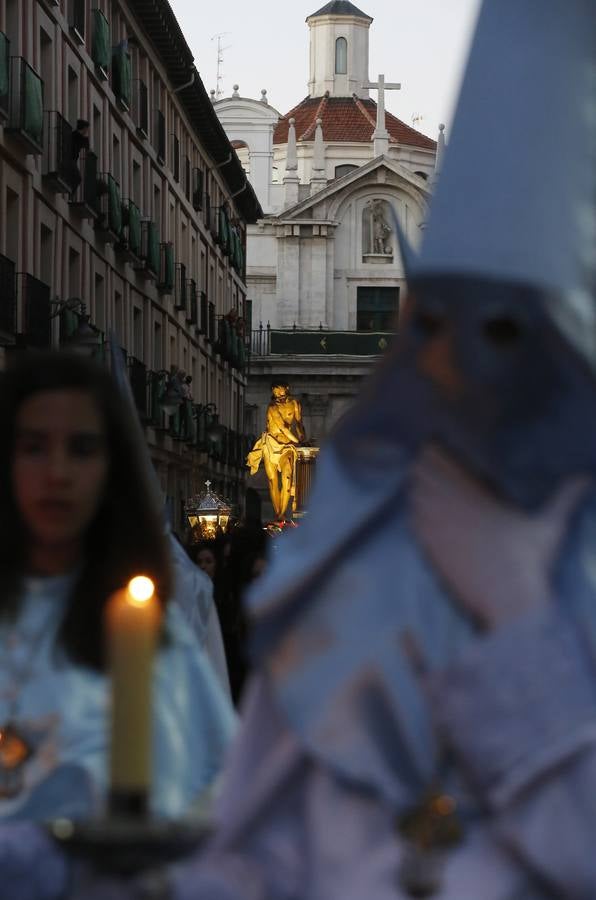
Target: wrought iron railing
<point x="60" y="168"/>
<point x="318" y="342"/>
<point x="25" y="119"/>
<point x="130" y="236"/>
<point x="35" y="303"/>
<point x="85" y="197"/>
<point x="150" y="255"/>
<point x="109" y="221"/>
<point x="181" y="288"/>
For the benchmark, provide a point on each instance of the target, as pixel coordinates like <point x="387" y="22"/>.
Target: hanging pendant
<point x="15" y="750"/>
<point x="429" y="832"/>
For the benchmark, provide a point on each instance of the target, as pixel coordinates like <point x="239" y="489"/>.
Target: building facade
<point x="324" y="267"/>
<point x="134" y="225"/>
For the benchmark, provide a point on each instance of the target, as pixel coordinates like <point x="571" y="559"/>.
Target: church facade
<point x="324" y="268"/>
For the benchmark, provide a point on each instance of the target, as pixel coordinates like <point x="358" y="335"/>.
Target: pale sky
<point x="421" y="43"/>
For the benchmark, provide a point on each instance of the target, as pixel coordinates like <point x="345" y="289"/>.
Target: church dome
<point x="340" y="8"/>
<point x="346" y="120"/>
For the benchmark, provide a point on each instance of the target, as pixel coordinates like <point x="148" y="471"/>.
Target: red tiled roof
<point x="346" y="119"/>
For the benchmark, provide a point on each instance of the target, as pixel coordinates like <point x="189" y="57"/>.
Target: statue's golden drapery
<point x="276" y="448"/>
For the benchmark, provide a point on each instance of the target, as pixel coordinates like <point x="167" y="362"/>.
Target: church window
<point x="344" y="170"/>
<point x="377" y="308"/>
<point x="341" y="56"/>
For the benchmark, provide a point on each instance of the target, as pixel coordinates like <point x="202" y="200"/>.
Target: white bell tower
<point x="338" y="50"/>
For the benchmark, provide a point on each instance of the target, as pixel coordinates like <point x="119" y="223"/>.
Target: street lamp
<point x="208" y="515"/>
<point x="85" y="338"/>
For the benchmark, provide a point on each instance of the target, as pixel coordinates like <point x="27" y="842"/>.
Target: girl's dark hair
<point x="125" y="539"/>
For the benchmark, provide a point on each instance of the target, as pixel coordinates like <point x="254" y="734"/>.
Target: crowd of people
<point x="232" y="562"/>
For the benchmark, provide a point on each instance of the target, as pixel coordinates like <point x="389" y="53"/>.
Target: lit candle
<point x="132" y="619"/>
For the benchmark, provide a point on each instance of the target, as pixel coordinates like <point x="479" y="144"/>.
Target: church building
<point x="324" y="269"/>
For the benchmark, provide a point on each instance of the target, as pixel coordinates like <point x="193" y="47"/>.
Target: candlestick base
<point x="126" y="846"/>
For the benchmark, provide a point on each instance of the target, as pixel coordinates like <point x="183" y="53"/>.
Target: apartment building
<point x="134" y="225"/>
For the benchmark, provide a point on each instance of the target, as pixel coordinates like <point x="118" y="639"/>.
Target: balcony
<point x="137" y="373"/>
<point x="34" y="299"/>
<point x="60" y="171"/>
<point x="165" y="285"/>
<point x="192" y="311"/>
<point x="197" y="189"/>
<point x="4" y="77"/>
<point x="222" y="236"/>
<point x="25" y="117"/>
<point x="140" y="107"/>
<point x="108" y="224"/>
<point x="319" y="342"/>
<point x="122" y="75"/>
<point x="149" y="259"/>
<point x="181" y="288"/>
<point x="8" y="301"/>
<point x="100" y="45"/>
<point x="129" y="244"/>
<point x="85" y="197"/>
<point x="230" y="341"/>
<point x="76" y="19"/>
<point x="160" y="136"/>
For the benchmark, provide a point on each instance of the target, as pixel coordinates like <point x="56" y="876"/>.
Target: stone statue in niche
<point x="376" y="230"/>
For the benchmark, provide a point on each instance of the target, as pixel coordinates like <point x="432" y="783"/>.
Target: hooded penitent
<point x="495" y="362"/>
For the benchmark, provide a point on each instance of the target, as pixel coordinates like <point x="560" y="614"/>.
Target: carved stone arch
<point x="339" y="211"/>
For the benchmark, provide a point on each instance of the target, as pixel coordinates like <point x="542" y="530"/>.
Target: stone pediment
<point x="381" y="170"/>
<point x="245" y="108"/>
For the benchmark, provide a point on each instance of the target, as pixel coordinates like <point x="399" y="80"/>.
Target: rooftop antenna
<point x="416" y="120"/>
<point x="220" y="59"/>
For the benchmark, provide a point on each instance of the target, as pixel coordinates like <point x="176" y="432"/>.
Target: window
<point x="13" y="223"/>
<point x="157" y="346"/>
<point x="73" y="96"/>
<point x="74" y="273"/>
<point x="137" y="333"/>
<point x="116" y="159"/>
<point x="377" y="308"/>
<point x="46" y="254"/>
<point x="136" y="184"/>
<point x="100" y="302"/>
<point x="47" y="68"/>
<point x="344" y="170"/>
<point x="341" y="56"/>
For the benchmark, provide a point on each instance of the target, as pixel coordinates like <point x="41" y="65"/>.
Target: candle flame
<point x="140" y="589"/>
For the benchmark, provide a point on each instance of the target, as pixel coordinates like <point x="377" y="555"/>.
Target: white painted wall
<point x="324" y="31"/>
